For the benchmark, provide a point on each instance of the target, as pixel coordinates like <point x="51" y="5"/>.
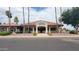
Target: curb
<point x="39" y="36"/>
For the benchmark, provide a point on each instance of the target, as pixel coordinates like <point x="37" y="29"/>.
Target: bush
<point x="5" y="33"/>
<point x="72" y="32"/>
<point x="49" y="33"/>
<point x="34" y="34"/>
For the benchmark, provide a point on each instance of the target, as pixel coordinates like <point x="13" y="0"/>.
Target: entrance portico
<point x="41" y="29"/>
<point x="44" y="26"/>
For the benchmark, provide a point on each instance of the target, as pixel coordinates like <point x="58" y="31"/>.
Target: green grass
<point x="4" y="33"/>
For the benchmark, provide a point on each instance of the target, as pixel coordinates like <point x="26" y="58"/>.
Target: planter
<point x="34" y="33"/>
<point x="50" y="34"/>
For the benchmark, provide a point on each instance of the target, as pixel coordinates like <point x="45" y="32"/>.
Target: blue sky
<point x="36" y="13"/>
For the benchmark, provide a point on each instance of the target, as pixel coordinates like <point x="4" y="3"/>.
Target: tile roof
<point x="49" y="23"/>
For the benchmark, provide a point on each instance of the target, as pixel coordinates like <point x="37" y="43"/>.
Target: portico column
<point x="36" y="29"/>
<point x="49" y="30"/>
<point x="7" y="29"/>
<point x="46" y="29"/>
<point x="16" y="29"/>
<point x="33" y="29"/>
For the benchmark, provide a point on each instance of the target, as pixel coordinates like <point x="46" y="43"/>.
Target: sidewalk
<point x="57" y="35"/>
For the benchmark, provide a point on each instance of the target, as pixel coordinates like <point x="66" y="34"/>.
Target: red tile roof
<point x="12" y="24"/>
<point x="49" y="23"/>
<point x="31" y="23"/>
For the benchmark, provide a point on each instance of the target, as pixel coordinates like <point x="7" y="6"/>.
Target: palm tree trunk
<point x="60" y="12"/>
<point x="28" y="19"/>
<point x="23" y="20"/>
<point x="61" y="18"/>
<point x="76" y="29"/>
<point x="9" y="19"/>
<point x="56" y="18"/>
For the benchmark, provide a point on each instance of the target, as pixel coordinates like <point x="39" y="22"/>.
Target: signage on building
<point x="41" y="23"/>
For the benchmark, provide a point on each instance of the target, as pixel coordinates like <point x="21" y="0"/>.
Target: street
<point x="39" y="44"/>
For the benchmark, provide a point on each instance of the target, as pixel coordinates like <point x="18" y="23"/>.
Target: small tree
<point x="16" y="20"/>
<point x="71" y="16"/>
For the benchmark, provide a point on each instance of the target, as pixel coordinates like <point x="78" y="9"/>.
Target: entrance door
<point x="41" y="29"/>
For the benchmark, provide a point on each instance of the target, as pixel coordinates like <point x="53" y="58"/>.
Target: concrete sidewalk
<point x="55" y="35"/>
<point x="39" y="36"/>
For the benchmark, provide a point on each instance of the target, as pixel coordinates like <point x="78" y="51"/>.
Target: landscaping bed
<point x="5" y="33"/>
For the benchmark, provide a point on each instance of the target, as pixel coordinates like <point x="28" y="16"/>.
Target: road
<point x="39" y="44"/>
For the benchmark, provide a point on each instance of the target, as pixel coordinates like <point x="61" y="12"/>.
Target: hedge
<point x="72" y="32"/>
<point x="5" y="33"/>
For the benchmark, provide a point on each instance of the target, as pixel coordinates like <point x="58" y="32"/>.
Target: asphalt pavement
<point x="39" y="44"/>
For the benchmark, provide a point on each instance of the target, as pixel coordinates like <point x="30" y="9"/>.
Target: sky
<point x="36" y="13"/>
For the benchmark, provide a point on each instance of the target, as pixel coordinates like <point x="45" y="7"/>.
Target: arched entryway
<point x="41" y="29"/>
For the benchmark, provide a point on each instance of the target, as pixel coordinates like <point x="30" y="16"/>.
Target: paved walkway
<point x="42" y="35"/>
<point x="54" y="35"/>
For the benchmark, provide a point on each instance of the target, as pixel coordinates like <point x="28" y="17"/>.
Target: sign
<point x="41" y="23"/>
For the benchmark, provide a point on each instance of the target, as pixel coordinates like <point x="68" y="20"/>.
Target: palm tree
<point x="28" y="18"/>
<point x="23" y="20"/>
<point x="16" y="20"/>
<point x="60" y="14"/>
<point x="9" y="15"/>
<point x="60" y="20"/>
<point x="56" y="18"/>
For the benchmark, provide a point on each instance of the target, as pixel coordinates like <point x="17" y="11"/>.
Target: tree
<point x="56" y="18"/>
<point x="23" y="20"/>
<point x="9" y="15"/>
<point x="16" y="20"/>
<point x="71" y="16"/>
<point x="60" y="15"/>
<point x="28" y="18"/>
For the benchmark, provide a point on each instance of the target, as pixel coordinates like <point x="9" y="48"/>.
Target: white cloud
<point x="46" y="14"/>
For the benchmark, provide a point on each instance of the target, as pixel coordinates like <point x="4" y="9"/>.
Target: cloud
<point x="39" y="8"/>
<point x="36" y="13"/>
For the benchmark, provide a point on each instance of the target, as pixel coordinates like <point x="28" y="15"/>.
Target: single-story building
<point x="36" y="26"/>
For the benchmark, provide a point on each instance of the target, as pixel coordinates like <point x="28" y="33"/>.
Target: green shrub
<point x="72" y="32"/>
<point x="34" y="34"/>
<point x="5" y="33"/>
<point x="49" y="33"/>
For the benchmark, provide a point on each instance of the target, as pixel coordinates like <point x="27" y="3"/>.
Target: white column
<point x="33" y="29"/>
<point x="46" y="29"/>
<point x="49" y="30"/>
<point x="16" y="29"/>
<point x="36" y="29"/>
<point x="7" y="29"/>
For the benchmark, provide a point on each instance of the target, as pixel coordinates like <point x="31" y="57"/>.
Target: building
<point x="36" y="26"/>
